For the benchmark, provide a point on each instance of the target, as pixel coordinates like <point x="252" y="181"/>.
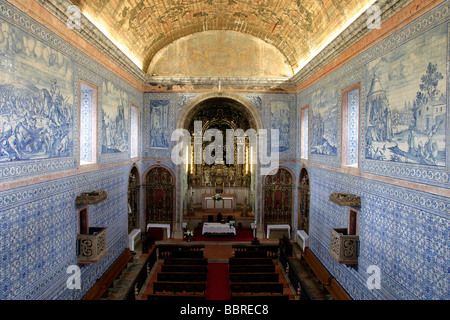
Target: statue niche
<point x="221" y="174"/>
<point x="230" y="173"/>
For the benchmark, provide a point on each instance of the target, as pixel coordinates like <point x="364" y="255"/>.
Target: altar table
<point x="278" y="226"/>
<point x="212" y="227"/>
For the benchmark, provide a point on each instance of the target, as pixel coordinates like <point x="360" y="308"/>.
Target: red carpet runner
<point x="218" y="282"/>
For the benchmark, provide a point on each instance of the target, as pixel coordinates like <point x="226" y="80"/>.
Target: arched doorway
<point x="304" y="195"/>
<point x="159" y="191"/>
<point x="278" y="199"/>
<point x="134" y="189"/>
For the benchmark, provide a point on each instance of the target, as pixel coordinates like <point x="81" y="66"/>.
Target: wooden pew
<point x="184" y="268"/>
<point x="256" y="287"/>
<point x="251" y="268"/>
<point x="186" y="254"/>
<point x="258" y="296"/>
<point x="249" y="261"/>
<point x="165" y="250"/>
<point x="205" y="217"/>
<point x="319" y="270"/>
<point x="250" y="254"/>
<point x="270" y="249"/>
<point x="100" y="288"/>
<point x="175" y="247"/>
<point x="182" y="276"/>
<point x="179" y="287"/>
<point x="254" y="277"/>
<point x="329" y="282"/>
<point x="186" y="261"/>
<point x="175" y="297"/>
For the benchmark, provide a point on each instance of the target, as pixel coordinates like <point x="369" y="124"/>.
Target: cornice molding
<point x="355" y="32"/>
<point x="89" y="32"/>
<point x="350" y="36"/>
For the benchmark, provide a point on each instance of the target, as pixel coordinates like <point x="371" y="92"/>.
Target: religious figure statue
<point x="206" y="177"/>
<point x="191" y="211"/>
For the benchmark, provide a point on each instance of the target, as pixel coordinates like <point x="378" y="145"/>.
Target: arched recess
<point x="159" y="193"/>
<point x="197" y="102"/>
<point x="278" y="198"/>
<point x="134" y="190"/>
<point x="187" y="115"/>
<point x="304" y="196"/>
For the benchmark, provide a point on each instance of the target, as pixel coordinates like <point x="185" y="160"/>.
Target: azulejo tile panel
<point x="39" y="101"/>
<point x="404" y="114"/>
<point x="39" y="225"/>
<point x="402" y="231"/>
<point x="161" y="112"/>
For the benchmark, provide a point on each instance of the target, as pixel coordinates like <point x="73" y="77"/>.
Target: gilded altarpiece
<point x="227" y="171"/>
<point x="278" y="198"/>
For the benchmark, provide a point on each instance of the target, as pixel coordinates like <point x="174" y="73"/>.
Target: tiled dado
<point x="39" y="225"/>
<point x="402" y="231"/>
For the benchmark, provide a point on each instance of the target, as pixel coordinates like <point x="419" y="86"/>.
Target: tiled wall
<point x="39" y="226"/>
<point x="162" y="110"/>
<point x="403" y="229"/>
<point x="39" y="112"/>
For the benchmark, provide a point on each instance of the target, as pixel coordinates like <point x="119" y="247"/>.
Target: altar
<point x="218" y="228"/>
<point x="228" y="202"/>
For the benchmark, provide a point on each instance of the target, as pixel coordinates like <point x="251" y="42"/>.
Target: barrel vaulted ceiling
<point x="298" y="29"/>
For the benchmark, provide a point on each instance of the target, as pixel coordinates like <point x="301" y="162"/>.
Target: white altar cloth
<point x="132" y="238"/>
<point x="160" y="225"/>
<point x="228" y="202"/>
<point x="278" y="226"/>
<point x="213" y="227"/>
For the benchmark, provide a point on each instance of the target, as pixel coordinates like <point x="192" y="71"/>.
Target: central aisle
<point x="218" y="283"/>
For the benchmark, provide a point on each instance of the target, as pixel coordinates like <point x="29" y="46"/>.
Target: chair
<point x="219" y="217"/>
<point x="210" y="218"/>
<point x="230" y="218"/>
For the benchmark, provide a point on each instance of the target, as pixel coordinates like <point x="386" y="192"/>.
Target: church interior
<point x="224" y="150"/>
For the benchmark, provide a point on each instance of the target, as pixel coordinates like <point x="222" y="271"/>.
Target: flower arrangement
<point x="232" y="223"/>
<point x="188" y="234"/>
<point x="217" y="197"/>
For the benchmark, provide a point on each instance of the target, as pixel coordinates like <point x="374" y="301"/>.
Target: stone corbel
<point x="345" y="199"/>
<point x="91" y="197"/>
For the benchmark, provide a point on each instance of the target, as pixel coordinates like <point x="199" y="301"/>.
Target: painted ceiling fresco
<point x="220" y="53"/>
<point x="297" y="28"/>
